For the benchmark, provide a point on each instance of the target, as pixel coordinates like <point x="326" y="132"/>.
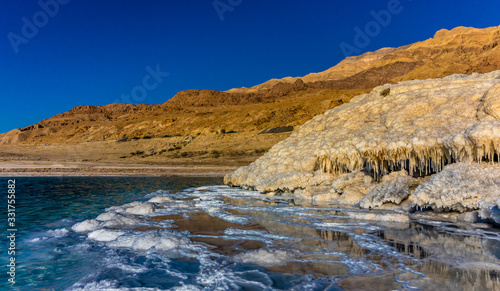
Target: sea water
<point x="158" y="233"/>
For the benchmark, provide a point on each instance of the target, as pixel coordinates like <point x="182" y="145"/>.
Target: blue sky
<point x="94" y="52"/>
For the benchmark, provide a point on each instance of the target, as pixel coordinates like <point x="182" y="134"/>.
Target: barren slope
<point x="243" y="113"/>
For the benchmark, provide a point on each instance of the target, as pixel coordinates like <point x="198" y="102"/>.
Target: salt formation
<point x="459" y="187"/>
<point x="122" y="221"/>
<point x="385" y="217"/>
<point x="140" y="208"/>
<point x="160" y="199"/>
<point x="394" y="188"/>
<point x="490" y="209"/>
<point x="266" y="258"/>
<point x="86" y="226"/>
<point x="417" y="127"/>
<point x="105" y="235"/>
<point x="157" y="239"/>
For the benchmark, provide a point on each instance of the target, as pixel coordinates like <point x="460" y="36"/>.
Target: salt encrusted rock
<point x="161" y="199"/>
<point x="322" y="179"/>
<point x="316" y="194"/>
<point x="106" y="216"/>
<point x="386" y="217"/>
<point x="313" y="191"/>
<point x="122" y="221"/>
<point x="352" y="195"/>
<point x="138" y="208"/>
<point x="470" y="217"/>
<point x="420" y="126"/>
<point x="293" y="180"/>
<point x="105" y="235"/>
<point x="86" y="226"/>
<point x="393" y="188"/>
<point x="330" y="196"/>
<point x="266" y="258"/>
<point x="490" y="209"/>
<point x="459" y="187"/>
<point x="358" y="179"/>
<point x="285" y="181"/>
<point x="352" y="187"/>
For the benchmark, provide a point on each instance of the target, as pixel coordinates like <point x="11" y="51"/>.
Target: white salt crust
<point x="420" y="126"/>
<point x="86" y="226"/>
<point x="417" y="129"/>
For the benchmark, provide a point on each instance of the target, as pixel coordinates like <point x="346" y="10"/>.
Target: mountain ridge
<point x="277" y="102"/>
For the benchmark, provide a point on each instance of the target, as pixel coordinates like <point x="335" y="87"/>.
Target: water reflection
<point x="240" y="239"/>
<point x="375" y="256"/>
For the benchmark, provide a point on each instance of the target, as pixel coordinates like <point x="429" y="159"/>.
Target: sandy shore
<point x="42" y="168"/>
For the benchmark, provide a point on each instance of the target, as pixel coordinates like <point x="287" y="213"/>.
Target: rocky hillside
<point x="276" y="103"/>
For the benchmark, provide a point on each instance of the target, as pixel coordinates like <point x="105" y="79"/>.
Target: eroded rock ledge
<point x="416" y="145"/>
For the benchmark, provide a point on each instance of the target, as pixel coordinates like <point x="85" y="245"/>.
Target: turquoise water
<point x="83" y="233"/>
<point x="47" y="206"/>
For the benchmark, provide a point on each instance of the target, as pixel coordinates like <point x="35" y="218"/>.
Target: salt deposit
<point x="121" y="220"/>
<point x="279" y="237"/>
<point x="141" y="209"/>
<point x="415" y="128"/>
<point x="107" y="216"/>
<point x="160" y="199"/>
<point x="490" y="209"/>
<point x="105" y="235"/>
<point x="393" y="188"/>
<point x="420" y="125"/>
<point x="386" y="217"/>
<point x="266" y="258"/>
<point x="459" y="187"/>
<point x="86" y="226"/>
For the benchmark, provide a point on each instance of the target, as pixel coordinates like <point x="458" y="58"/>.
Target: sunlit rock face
<point x="417" y="127"/>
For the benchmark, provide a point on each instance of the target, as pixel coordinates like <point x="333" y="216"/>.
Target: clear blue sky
<point x="91" y="52"/>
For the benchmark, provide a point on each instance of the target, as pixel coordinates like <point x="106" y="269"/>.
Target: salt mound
<point x="393" y="188"/>
<point x="266" y="258"/>
<point x="138" y="208"/>
<point x="158" y="240"/>
<point x="105" y="235"/>
<point x="160" y="199"/>
<point x="459" y="187"/>
<point x="418" y="125"/>
<point x="121" y="220"/>
<point x="106" y="216"/>
<point x="86" y="226"/>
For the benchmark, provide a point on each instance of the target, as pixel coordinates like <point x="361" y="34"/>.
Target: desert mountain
<point x="244" y="112"/>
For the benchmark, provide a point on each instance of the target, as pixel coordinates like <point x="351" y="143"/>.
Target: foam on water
<point x="266" y="258"/>
<point x="253" y="241"/>
<point x="50" y="234"/>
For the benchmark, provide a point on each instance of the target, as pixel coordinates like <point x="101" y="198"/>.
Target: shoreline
<point x="64" y="174"/>
<point x="107" y="169"/>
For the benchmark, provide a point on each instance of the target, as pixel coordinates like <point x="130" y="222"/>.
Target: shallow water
<point x="216" y="237"/>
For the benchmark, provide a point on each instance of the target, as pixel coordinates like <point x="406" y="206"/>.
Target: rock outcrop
<point x="376" y="147"/>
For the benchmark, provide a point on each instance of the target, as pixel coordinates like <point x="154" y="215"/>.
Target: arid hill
<point x="222" y="122"/>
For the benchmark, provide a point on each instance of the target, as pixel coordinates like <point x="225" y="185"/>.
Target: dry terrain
<point x="206" y="131"/>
